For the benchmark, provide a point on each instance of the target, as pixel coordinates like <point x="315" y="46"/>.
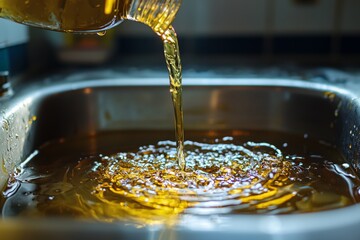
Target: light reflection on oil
<point x="145" y="185"/>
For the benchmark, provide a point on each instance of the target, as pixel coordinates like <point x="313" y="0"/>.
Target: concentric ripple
<point x="146" y="185"/>
<point x="217" y="175"/>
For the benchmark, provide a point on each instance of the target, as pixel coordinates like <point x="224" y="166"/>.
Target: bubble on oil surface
<point x="218" y="176"/>
<point x="211" y="168"/>
<point x="145" y="184"/>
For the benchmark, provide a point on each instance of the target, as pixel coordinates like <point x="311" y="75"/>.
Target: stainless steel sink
<point x="47" y="110"/>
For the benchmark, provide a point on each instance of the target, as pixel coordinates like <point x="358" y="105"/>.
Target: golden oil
<point x="99" y="15"/>
<point x="90" y="15"/>
<point x="148" y="183"/>
<point x="173" y="61"/>
<point x="144" y="183"/>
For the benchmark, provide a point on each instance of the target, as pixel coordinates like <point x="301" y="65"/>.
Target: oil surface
<point x="250" y="172"/>
<point x="90" y="178"/>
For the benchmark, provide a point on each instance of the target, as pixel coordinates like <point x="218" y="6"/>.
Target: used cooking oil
<point x="90" y="15"/>
<point x="124" y="176"/>
<point x="173" y="61"/>
<point x="97" y="16"/>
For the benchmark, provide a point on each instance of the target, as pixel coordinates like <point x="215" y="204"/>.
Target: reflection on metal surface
<point x="5" y="88"/>
<point x="143" y="184"/>
<point x="62" y="110"/>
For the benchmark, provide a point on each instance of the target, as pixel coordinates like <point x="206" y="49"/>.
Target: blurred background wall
<point x="266" y="26"/>
<point x="13" y="46"/>
<point x="318" y="31"/>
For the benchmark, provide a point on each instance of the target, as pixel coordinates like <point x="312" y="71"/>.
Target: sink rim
<point x="269" y="224"/>
<point x="53" y="85"/>
<point x="28" y="92"/>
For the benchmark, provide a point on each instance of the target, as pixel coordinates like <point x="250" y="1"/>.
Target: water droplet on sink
<point x="101" y="34"/>
<point x="5" y="125"/>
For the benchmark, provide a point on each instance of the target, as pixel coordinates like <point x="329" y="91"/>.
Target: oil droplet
<point x="228" y="176"/>
<point x="32" y="119"/>
<point x="330" y="95"/>
<point x="3" y="166"/>
<point x="346" y="165"/>
<point x="5" y="125"/>
<point x="101" y="34"/>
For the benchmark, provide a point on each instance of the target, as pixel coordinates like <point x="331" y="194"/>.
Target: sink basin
<point x="49" y="110"/>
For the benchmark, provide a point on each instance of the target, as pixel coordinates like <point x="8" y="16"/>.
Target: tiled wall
<point x="13" y="46"/>
<point x="12" y="33"/>
<point x="350" y="21"/>
<point x="243" y="17"/>
<point x="262" y="26"/>
<point x="241" y="27"/>
<point x="225" y="17"/>
<point x="294" y="17"/>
